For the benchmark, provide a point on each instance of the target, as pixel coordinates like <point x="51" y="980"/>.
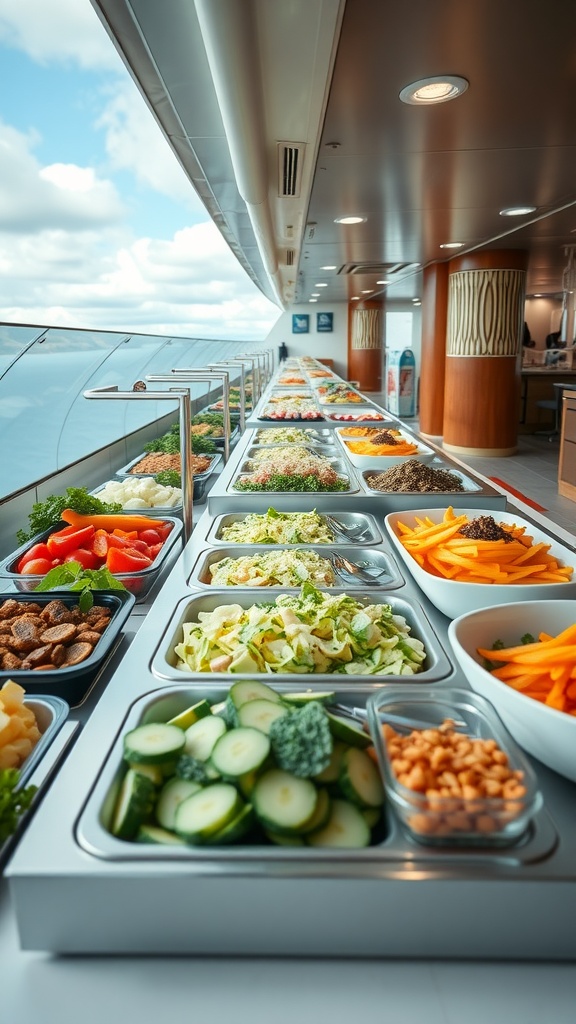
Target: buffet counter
<point x="68" y="892"/>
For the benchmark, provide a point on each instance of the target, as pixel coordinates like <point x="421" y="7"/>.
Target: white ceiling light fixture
<point x="451" y="245"/>
<point x="517" y="211"/>
<point x="312" y="300"/>
<point x="315" y="295"/>
<point x="386" y="281"/>
<point x="438" y="89"/>
<point x="327" y="268"/>
<point x="349" y="220"/>
<point x="320" y="284"/>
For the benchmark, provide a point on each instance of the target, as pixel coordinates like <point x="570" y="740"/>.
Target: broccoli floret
<point x="301" y="740"/>
<point x="188" y="767"/>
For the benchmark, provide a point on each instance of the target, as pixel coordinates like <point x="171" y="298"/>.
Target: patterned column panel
<point x="366" y="329"/>
<point x="485" y="312"/>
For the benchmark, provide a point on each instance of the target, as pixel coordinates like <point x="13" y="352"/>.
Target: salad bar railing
<point x="263" y="887"/>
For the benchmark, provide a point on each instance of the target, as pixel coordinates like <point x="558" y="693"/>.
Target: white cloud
<point x="66" y="31"/>
<point x="135" y="143"/>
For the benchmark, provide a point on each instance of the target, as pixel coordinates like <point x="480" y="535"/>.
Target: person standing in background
<point x="282" y="351"/>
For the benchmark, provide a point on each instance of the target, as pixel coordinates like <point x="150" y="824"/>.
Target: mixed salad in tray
<point x="273" y="527"/>
<point x="309" y="632"/>
<point x="272" y="569"/>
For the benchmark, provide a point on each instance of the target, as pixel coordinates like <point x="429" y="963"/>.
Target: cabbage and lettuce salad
<point x="273" y="527"/>
<point x="273" y="569"/>
<point x="309" y="632"/>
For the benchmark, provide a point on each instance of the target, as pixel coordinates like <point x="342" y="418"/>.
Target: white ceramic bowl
<point x="454" y="597"/>
<point x="542" y="731"/>
<point x="381" y="462"/>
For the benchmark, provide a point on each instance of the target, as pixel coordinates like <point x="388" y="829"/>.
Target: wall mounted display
<point x="324" y="323"/>
<point x="300" y="323"/>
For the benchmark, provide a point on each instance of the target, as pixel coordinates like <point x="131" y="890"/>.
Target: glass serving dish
<point x="453" y="810"/>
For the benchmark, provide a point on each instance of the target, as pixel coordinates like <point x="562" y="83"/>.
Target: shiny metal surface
<point x="354" y="520"/>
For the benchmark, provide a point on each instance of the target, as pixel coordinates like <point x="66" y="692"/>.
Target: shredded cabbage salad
<point x="309" y="632"/>
<point x="274" y="527"/>
<point x="273" y="569"/>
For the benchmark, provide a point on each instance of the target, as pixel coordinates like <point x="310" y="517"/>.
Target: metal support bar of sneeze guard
<point x="230" y="363"/>
<point x="192" y="375"/>
<point x="255" y="376"/>
<point x="182" y="396"/>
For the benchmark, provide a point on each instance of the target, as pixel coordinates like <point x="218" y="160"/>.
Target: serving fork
<point x="347" y="532"/>
<point x="343" y="565"/>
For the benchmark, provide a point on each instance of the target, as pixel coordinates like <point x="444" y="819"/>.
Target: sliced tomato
<point x="164" y="529"/>
<point x="66" y="540"/>
<point x="120" y="560"/>
<point x="36" y="551"/>
<point x="87" y="559"/>
<point x="150" y="536"/>
<point x="155" y="549"/>
<point x="36" y="567"/>
<point x="100" y="545"/>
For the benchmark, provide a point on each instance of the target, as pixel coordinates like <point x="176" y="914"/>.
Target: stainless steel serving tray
<point x="328" y="452"/>
<point x="341" y="467"/>
<point x="348" y="519"/>
<point x="322" y="436"/>
<point x="160" y="511"/>
<point x="389" y="841"/>
<point x="50" y="714"/>
<point x="164" y="661"/>
<point x="200" y="479"/>
<point x="393" y="579"/>
<point x="470" y="485"/>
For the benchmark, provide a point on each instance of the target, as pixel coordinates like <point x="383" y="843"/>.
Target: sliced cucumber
<point x="153" y="772"/>
<point x="170" y="797"/>
<point x="154" y="743"/>
<point x="360" y="780"/>
<point x="372" y="816"/>
<point x="199" y="738"/>
<point x="190" y="715"/>
<point x="206" y="813"/>
<point x="158" y="836"/>
<point x="283" y="802"/>
<point x="346" y="827"/>
<point x="237" y="829"/>
<point x="134" y="804"/>
<point x="305" y="696"/>
<point x="252" y="689"/>
<point x="348" y="731"/>
<point x="332" y="772"/>
<point x="240" y="751"/>
<point x="260" y="713"/>
<point x="321" y="814"/>
<point x="284" y="840"/>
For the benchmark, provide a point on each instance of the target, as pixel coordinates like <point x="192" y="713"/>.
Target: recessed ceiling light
<point x="516" y="211"/>
<point x="416" y="302"/>
<point x="353" y="298"/>
<point x="438" y="89"/>
<point x="451" y="245"/>
<point x="366" y="291"/>
<point x="327" y="268"/>
<point x="320" y="284"/>
<point x="349" y="220"/>
<point x="315" y="295"/>
<point x="386" y="281"/>
<point x="312" y="300"/>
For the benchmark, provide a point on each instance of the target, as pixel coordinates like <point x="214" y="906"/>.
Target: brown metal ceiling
<point x="426" y="176"/>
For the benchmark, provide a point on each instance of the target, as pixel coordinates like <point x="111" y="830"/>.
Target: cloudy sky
<point x="99" y="227"/>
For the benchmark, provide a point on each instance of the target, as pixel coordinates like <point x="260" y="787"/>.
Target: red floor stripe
<point x="518" y="494"/>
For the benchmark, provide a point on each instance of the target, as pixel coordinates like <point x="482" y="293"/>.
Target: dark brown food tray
<point x="71" y="684"/>
<point x="163" y="665"/>
<point x="138" y="583"/>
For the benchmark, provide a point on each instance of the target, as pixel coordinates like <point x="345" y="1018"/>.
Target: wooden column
<point x="433" y="349"/>
<point x="365" y="338"/>
<point x="486" y="293"/>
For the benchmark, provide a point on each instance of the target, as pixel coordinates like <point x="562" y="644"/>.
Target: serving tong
<point x="354" y="533"/>
<point x="360" y="571"/>
<point x="407" y="722"/>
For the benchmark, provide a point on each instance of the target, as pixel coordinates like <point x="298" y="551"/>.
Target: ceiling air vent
<point x="389" y="269"/>
<point x="290" y="257"/>
<point x="290" y="160"/>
